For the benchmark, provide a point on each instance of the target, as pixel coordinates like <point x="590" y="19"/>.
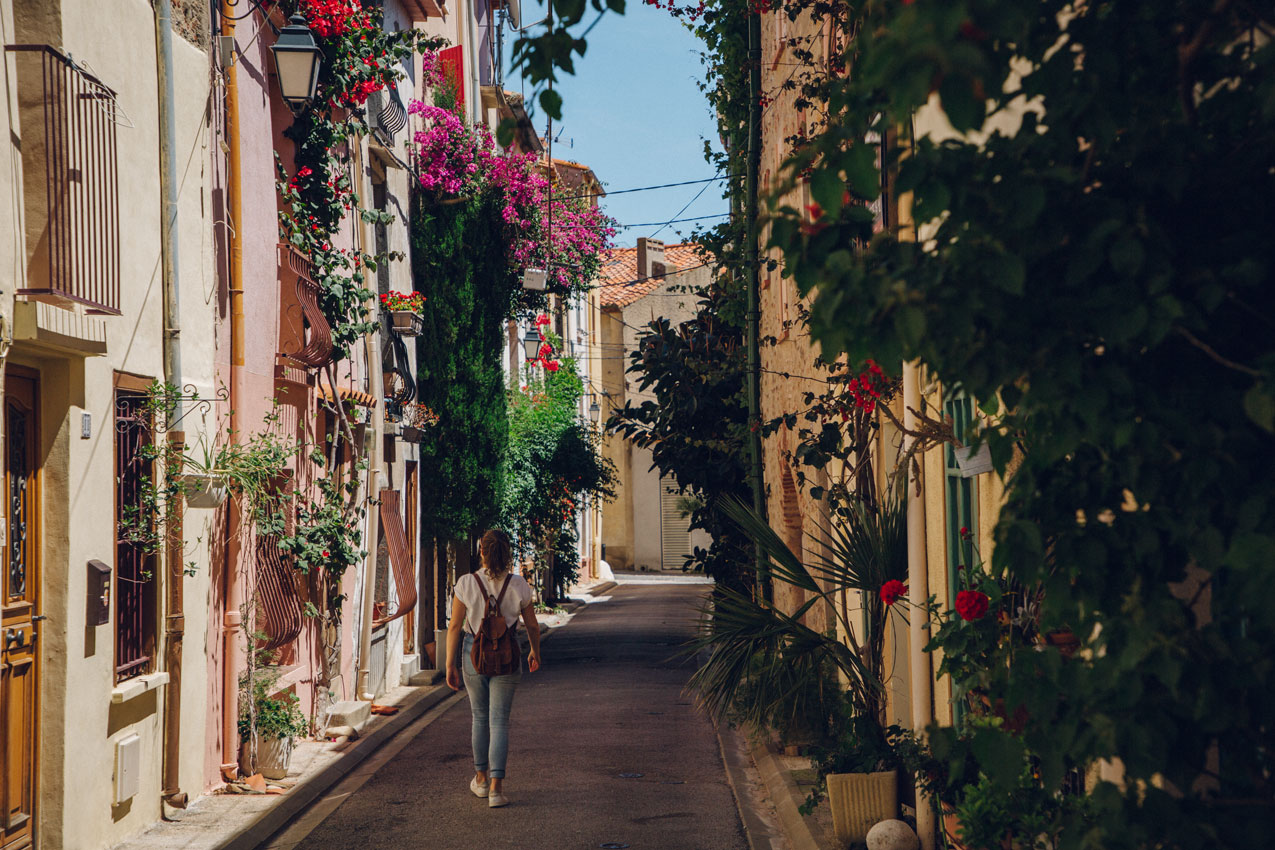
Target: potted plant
<point x="201" y="483"/>
<point x="858" y="770"/>
<point x="760" y="658"/>
<point x="406" y="311"/>
<point x="270" y="721"/>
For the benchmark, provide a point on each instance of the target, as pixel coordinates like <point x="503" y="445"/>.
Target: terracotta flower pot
<point x="859" y="801"/>
<point x="406" y="322"/>
<point x="952" y="829"/>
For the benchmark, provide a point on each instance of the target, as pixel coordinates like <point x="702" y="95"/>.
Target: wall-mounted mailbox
<point x="99" y="597"/>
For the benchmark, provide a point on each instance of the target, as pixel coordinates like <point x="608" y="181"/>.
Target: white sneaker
<point x="497" y="800"/>
<point x="479" y="788"/>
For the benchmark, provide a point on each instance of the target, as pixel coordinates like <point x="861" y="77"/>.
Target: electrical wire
<point x="643" y="188"/>
<point x="676" y="220"/>
<point x="672" y="220"/>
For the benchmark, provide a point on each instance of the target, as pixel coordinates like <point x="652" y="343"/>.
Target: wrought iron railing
<point x="73" y="224"/>
<point x="135" y="546"/>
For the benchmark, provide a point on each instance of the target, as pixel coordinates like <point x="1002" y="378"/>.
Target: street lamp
<point x="595" y="413"/>
<point x="297" y="58"/>
<point x="531" y="341"/>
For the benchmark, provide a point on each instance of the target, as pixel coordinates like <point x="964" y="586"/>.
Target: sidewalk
<point x="769" y="789"/>
<point x="235" y="821"/>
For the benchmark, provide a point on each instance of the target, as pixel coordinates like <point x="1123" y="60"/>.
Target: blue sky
<point x="635" y="115"/>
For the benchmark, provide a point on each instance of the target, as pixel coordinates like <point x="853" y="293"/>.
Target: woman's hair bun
<point x="496" y="552"/>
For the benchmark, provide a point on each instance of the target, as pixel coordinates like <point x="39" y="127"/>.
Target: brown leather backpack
<point x="495" y="651"/>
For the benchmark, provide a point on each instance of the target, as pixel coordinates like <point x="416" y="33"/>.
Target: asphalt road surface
<point x="605" y="751"/>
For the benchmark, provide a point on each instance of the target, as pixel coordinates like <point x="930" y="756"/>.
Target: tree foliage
<point x="1099" y="273"/>
<point x="553" y="461"/>
<point x="458" y="259"/>
<point x="697" y="426"/>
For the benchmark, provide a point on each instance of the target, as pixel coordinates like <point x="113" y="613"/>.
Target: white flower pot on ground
<point x="859" y="801"/>
<point x="273" y="756"/>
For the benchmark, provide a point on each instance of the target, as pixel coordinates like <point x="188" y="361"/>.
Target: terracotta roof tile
<point x="618" y="279"/>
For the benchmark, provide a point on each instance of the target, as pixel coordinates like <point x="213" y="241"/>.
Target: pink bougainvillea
<point x="566" y="236"/>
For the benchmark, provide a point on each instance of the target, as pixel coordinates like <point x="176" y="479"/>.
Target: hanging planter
<point x="406" y="311"/>
<point x="203" y="489"/>
<point x="407" y="322"/>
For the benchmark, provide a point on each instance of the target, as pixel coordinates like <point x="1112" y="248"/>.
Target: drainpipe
<point x="372" y="350"/>
<point x="751" y="240"/>
<point x="174" y="628"/>
<point x="919" y="661"/>
<point x="232" y="592"/>
<point x="918" y="594"/>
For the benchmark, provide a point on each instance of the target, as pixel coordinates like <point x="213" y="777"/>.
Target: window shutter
<point x="452" y="61"/>
<point x="675" y="536"/>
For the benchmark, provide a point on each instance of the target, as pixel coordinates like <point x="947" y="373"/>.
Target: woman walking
<point x="490" y="696"/>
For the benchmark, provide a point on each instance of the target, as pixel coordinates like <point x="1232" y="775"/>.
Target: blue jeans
<point x="490" y="700"/>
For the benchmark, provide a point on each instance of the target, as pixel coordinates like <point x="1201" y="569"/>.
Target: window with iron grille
<point x="135" y="546"/>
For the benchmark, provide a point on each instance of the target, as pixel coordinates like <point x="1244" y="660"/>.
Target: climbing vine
<point x="360" y="57"/>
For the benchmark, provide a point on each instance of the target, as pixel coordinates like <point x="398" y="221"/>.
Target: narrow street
<point x="605" y="751"/>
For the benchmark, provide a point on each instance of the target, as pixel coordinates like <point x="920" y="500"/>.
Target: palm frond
<point x="754" y="644"/>
<point x="780" y="561"/>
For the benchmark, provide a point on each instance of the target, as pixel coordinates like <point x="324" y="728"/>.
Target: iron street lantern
<point x="595" y="413"/>
<point x="297" y="58"/>
<point x="532" y="342"/>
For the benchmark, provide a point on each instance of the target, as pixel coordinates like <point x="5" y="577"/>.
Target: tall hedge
<point x="459" y="264"/>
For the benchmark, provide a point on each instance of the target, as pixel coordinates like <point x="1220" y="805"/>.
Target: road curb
<point x="258" y="831"/>
<point x="759" y="837"/>
<point x="786" y="796"/>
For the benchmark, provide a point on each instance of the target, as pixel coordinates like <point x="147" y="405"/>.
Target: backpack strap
<point x="503" y="588"/>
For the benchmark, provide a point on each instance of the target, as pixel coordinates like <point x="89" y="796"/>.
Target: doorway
<point x="19" y="614"/>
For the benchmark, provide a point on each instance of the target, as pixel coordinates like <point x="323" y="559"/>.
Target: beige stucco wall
<point x="632" y="530"/>
<point x="617" y="528"/>
<point x="80" y="724"/>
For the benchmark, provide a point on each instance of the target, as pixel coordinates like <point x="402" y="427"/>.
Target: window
<point x="136" y="533"/>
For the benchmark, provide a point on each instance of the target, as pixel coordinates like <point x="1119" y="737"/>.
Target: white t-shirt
<point x="472" y="590"/>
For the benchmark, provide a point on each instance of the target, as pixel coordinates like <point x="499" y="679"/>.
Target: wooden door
<point x="19" y="609"/>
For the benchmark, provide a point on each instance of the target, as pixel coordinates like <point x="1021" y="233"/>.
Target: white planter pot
<point x="273" y="756"/>
<point x="859" y="801"/>
<point x="203" y="490"/>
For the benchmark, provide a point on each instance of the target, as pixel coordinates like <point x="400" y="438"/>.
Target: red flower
<point x="546" y="349"/>
<point x="971" y="604"/>
<point x="551" y="366"/>
<point x="542" y="319"/>
<point x="325" y="554"/>
<point x="305" y="171"/>
<point x="965" y="533"/>
<point x="892" y="591"/>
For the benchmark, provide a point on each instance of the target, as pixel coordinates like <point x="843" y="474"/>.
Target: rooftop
<point x="619" y="282"/>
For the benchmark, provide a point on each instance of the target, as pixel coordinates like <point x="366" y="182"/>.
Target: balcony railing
<point x="72" y="216"/>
